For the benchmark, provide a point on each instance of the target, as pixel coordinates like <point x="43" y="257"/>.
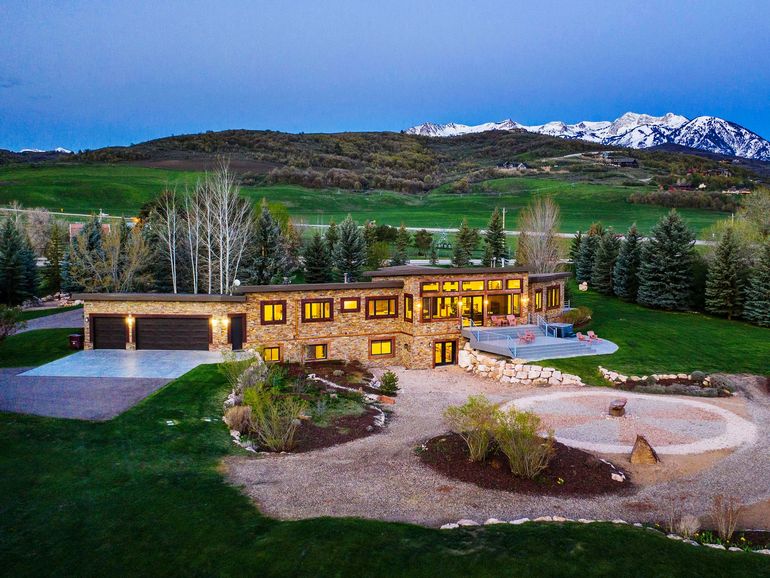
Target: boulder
<point x="492" y="521"/>
<point x="450" y="526"/>
<point x="467" y="522"/>
<point x="519" y="521"/>
<point x="618" y="407"/>
<point x="463" y="358"/>
<point x="643" y="452"/>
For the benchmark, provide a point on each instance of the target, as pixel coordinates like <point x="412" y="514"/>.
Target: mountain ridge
<point x="631" y="130"/>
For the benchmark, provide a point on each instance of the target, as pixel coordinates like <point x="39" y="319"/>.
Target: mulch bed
<point x="354" y="374"/>
<point x="343" y="429"/>
<point x="572" y="472"/>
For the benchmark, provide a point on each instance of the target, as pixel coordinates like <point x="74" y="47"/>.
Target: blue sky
<point x="91" y="74"/>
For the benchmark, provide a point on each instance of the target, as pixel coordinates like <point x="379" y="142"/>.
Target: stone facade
<point x="349" y="332"/>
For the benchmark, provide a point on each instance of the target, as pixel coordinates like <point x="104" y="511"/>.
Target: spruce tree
<point x="604" y="263"/>
<point x="465" y="243"/>
<point x="332" y="235"/>
<point x="585" y="260"/>
<point x="433" y="252"/>
<point x="495" y="247"/>
<point x="665" y="270"/>
<point x="726" y="278"/>
<point x="625" y="275"/>
<point x="757" y="306"/>
<point x="401" y="253"/>
<point x="350" y="251"/>
<point x="54" y="254"/>
<point x="18" y="271"/>
<point x="267" y="261"/>
<point x="318" y="262"/>
<point x="574" y="250"/>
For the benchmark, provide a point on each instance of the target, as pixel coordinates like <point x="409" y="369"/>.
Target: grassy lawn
<point x="653" y="341"/>
<point x="134" y="496"/>
<point x="35" y="347"/>
<point x="122" y="189"/>
<point x="35" y="314"/>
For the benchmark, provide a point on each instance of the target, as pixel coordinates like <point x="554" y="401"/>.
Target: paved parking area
<point x="73" y="318"/>
<point x="145" y="364"/>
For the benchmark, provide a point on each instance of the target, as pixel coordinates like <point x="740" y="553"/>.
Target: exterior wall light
<point x="129" y="320"/>
<point x="214" y="322"/>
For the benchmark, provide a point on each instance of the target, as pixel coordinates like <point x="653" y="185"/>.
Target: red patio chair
<point x="511" y="320"/>
<point x="592" y="336"/>
<point x="582" y="337"/>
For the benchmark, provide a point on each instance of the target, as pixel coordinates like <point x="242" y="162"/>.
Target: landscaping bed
<point x="311" y="436"/>
<point x="571" y="472"/>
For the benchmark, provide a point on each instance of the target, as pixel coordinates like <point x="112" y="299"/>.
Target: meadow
<point x="123" y="189"/>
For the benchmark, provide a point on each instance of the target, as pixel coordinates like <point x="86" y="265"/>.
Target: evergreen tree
<point x="465" y="243"/>
<point x="604" y="263"/>
<point x="726" y="278"/>
<point x="574" y="250"/>
<point x="401" y="253"/>
<point x="18" y="271"/>
<point x="92" y="230"/>
<point x="54" y="254"/>
<point x="585" y="261"/>
<point x="267" y="260"/>
<point x="757" y="306"/>
<point x="625" y="275"/>
<point x="665" y="270"/>
<point x="332" y="235"/>
<point x="422" y="241"/>
<point x="433" y="252"/>
<point x="495" y="249"/>
<point x="350" y="251"/>
<point x="318" y="262"/>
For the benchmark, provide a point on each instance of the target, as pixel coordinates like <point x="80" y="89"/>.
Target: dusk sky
<point x="91" y="74"/>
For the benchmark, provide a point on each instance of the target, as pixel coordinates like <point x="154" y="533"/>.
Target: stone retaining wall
<point x="618" y="378"/>
<point x="513" y="371"/>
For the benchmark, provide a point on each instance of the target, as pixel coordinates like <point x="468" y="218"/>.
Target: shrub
<point x="724" y="515"/>
<point x="238" y="418"/>
<point x="577" y="316"/>
<point x="687" y="526"/>
<point x="10" y="321"/>
<point x="516" y="434"/>
<point x="474" y="421"/>
<point x="233" y="365"/>
<point x="274" y="418"/>
<point x="698" y="376"/>
<point x="389" y="383"/>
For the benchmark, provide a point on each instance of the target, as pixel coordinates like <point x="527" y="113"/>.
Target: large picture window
<point x="381" y="307"/>
<point x="436" y="308"/>
<point x="317" y="310"/>
<point x="381" y="347"/>
<point x="273" y="312"/>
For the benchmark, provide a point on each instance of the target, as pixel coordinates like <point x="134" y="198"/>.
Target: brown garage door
<point x="108" y="332"/>
<point x="172" y="333"/>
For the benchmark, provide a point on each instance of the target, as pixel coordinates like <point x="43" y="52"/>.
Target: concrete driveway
<point x="149" y="364"/>
<point x="73" y="318"/>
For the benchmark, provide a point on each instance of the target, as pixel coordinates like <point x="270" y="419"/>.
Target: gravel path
<point x="381" y="477"/>
<point x="73" y="318"/>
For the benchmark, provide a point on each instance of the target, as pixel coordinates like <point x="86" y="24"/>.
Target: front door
<point x="236" y="332"/>
<point x="473" y="309"/>
<point x="444" y="353"/>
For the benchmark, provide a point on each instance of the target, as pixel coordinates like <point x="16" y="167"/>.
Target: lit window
<point x="513" y="284"/>
<point x="316" y="352"/>
<point x="429" y="286"/>
<point x="350" y="305"/>
<point x="538" y="299"/>
<point x="408" y="308"/>
<point x="516" y="304"/>
<point x="320" y="310"/>
<point x="381" y="307"/>
<point x="439" y="307"/>
<point x="273" y="312"/>
<point x="272" y="354"/>
<point x="553" y="297"/>
<point x="473" y="285"/>
<point x="381" y="347"/>
<point x="450" y="286"/>
<point x="494" y="284"/>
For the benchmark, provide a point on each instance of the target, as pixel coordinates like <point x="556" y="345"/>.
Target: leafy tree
<point x="350" y="251"/>
<point x="18" y="271"/>
<point x="604" y="263"/>
<point x="496" y="248"/>
<point x="726" y="278"/>
<point x="54" y="254"/>
<point x="403" y="240"/>
<point x="465" y="243"/>
<point x="10" y="321"/>
<point x="625" y="274"/>
<point x="665" y="270"/>
<point x="422" y="241"/>
<point x="332" y="235"/>
<point x="267" y="261"/>
<point x="318" y="261"/>
<point x="757" y="307"/>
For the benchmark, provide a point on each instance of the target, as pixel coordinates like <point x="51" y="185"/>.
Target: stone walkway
<point x="381" y="476"/>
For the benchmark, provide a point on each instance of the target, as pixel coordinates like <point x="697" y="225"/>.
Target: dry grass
<point x="724" y="514"/>
<point x="238" y="418"/>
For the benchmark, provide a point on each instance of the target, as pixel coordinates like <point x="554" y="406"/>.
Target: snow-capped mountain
<point x="60" y="150"/>
<point x="633" y="130"/>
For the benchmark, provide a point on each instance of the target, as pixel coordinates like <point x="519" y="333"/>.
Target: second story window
<point x="317" y="310"/>
<point x="408" y="308"/>
<point x="381" y="307"/>
<point x="350" y="304"/>
<point x="473" y="285"/>
<point x="273" y="312"/>
<point x="513" y="284"/>
<point x="494" y="284"/>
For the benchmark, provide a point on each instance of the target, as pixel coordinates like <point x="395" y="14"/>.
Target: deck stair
<point x="505" y="341"/>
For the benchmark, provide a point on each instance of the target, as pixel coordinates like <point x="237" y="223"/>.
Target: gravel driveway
<point x="381" y="477"/>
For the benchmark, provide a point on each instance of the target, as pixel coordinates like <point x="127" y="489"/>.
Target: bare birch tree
<point x="39" y="224"/>
<point x="538" y="245"/>
<point x="165" y="219"/>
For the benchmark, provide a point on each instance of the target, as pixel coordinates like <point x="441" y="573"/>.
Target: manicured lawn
<point x="135" y="496"/>
<point x="35" y="347"/>
<point x="122" y="189"/>
<point x="653" y="341"/>
<point x="35" y="314"/>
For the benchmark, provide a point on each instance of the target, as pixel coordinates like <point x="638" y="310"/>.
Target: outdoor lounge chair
<point x="511" y="320"/>
<point x="592" y="336"/>
<point x="582" y="337"/>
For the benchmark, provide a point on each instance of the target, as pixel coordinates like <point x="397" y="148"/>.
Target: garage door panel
<point x="108" y="332"/>
<point x="187" y="333"/>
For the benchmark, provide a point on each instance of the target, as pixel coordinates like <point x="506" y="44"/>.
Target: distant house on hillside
<point x="515" y="166"/>
<point x="624" y="162"/>
<point x="75" y="228"/>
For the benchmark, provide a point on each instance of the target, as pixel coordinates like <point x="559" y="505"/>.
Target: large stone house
<point x="410" y="316"/>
